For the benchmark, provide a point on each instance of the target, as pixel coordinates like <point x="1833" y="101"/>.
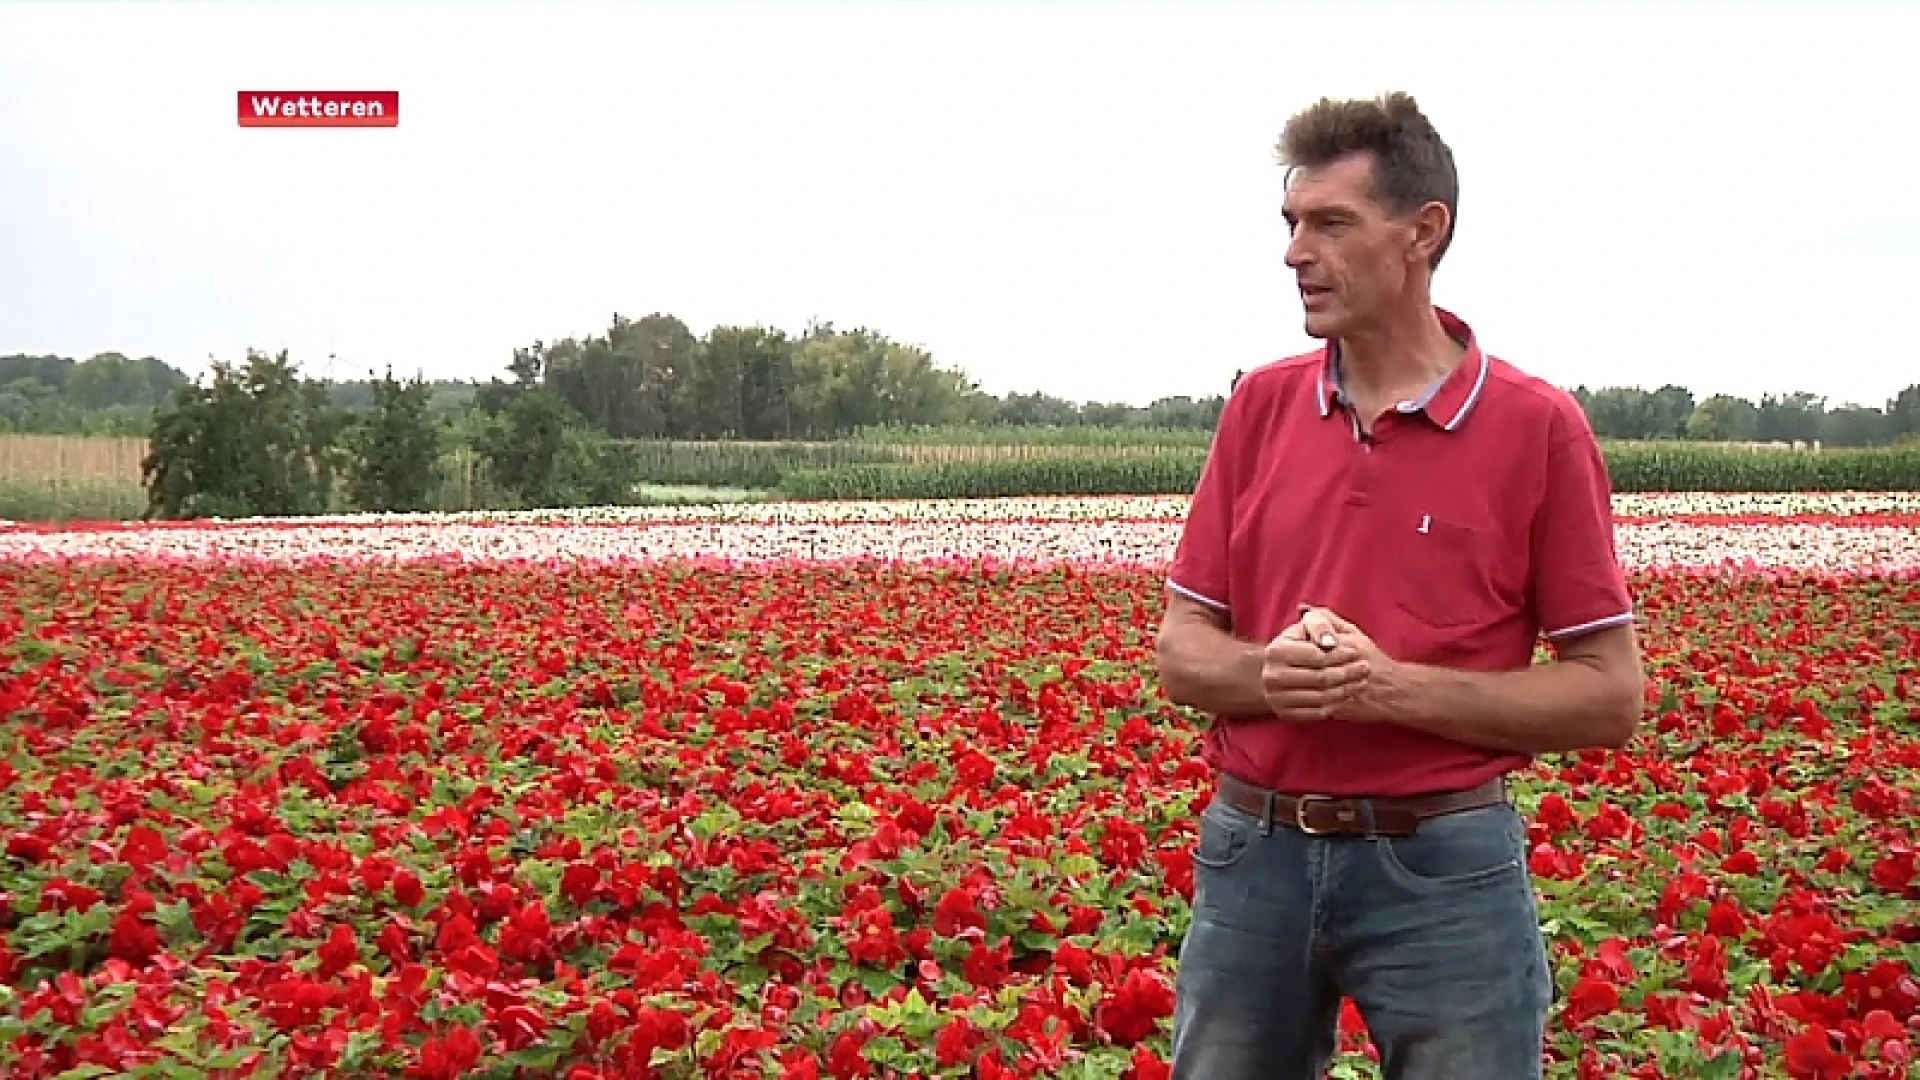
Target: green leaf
<point x="542" y="1058"/>
<point x="231" y="1059"/>
<point x="877" y="982"/>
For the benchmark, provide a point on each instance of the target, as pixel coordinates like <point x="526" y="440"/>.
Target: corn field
<point x="1173" y="471"/>
<point x="1646" y="467"/>
<point x="70" y="459"/>
<point x="52" y="477"/>
<point x="1084" y="437"/>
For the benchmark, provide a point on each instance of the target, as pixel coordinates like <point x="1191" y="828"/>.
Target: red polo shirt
<point x="1470" y="523"/>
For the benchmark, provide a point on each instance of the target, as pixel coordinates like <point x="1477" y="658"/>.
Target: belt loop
<point x="1266" y="814"/>
<point x="1366" y="816"/>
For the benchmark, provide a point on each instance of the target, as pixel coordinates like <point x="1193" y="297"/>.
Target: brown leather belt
<point x="1325" y="815"/>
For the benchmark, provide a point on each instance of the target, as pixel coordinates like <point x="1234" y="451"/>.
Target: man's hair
<point x="1412" y="165"/>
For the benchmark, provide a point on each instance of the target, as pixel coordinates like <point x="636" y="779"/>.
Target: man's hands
<point x="1325" y="668"/>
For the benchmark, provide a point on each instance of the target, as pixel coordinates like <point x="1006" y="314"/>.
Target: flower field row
<point x="791" y="820"/>
<point x="1788" y="544"/>
<point x="1702" y="507"/>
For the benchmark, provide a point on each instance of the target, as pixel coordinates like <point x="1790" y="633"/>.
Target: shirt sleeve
<point x="1579" y="585"/>
<point x="1199" y="570"/>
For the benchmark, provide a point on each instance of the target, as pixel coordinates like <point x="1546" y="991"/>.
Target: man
<point x="1383" y="530"/>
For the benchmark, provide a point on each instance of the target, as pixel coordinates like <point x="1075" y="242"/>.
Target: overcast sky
<point x="1075" y="198"/>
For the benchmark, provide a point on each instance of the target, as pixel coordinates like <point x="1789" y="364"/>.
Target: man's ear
<point x="1431" y="223"/>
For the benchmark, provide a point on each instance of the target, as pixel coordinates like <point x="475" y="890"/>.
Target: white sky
<point x="1075" y="198"/>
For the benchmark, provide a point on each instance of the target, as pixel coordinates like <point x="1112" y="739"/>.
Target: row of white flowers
<point x="1786" y="544"/>
<point x="1154" y="508"/>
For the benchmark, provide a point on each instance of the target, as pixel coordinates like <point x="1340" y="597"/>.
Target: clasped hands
<point x="1325" y="668"/>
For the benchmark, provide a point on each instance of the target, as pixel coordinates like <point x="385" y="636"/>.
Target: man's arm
<point x="1203" y="665"/>
<point x="1591" y="697"/>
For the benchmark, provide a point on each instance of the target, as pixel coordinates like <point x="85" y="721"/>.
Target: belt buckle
<point x="1300" y="813"/>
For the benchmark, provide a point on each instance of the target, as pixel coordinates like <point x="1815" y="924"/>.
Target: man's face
<point x="1349" y="257"/>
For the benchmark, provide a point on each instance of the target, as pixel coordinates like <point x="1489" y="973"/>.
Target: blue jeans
<point x="1435" y="937"/>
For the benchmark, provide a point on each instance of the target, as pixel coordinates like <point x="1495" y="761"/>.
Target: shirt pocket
<point x="1450" y="574"/>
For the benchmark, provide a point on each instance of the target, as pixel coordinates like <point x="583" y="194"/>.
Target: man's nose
<point x="1298" y="253"/>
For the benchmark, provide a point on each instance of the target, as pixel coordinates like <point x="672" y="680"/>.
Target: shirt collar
<point x="1446" y="402"/>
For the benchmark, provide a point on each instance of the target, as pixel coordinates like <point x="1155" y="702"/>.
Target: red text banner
<point x="319" y="108"/>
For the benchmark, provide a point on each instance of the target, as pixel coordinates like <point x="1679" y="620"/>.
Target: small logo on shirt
<point x="1426" y="524"/>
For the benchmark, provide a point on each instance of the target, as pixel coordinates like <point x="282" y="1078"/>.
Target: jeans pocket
<point x="1223" y="841"/>
<point x="1468" y="848"/>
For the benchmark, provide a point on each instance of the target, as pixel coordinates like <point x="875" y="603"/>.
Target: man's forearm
<point x="1547" y="708"/>
<point x="1209" y="669"/>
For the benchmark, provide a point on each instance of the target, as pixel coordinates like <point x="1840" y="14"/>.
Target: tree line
<point x="648" y="378"/>
<point x="654" y="378"/>
<point x="1672" y="413"/>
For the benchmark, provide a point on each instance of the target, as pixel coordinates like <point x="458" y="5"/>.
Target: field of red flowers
<point x="844" y="820"/>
